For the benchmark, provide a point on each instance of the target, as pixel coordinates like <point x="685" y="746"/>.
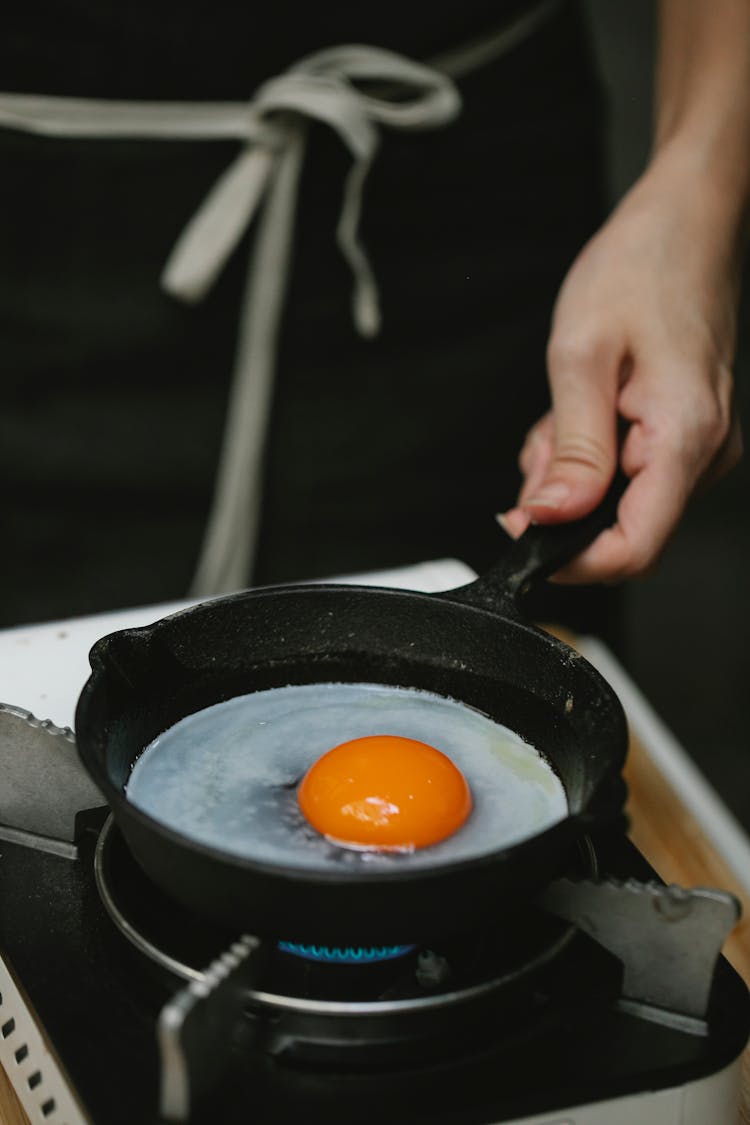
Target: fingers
<point x="680" y="439"/>
<point x="647" y="515"/>
<point x="683" y="436"/>
<point x="584" y="384"/>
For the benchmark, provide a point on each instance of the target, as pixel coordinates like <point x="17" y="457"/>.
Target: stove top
<point x="519" y="1023"/>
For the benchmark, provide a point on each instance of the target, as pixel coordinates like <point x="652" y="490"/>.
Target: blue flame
<point x="349" y="955"/>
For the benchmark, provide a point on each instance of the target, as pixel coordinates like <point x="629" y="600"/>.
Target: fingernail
<point x="549" y="496"/>
<point x="513" y="522"/>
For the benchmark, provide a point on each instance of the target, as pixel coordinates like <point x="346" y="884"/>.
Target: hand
<point x="643" y="335"/>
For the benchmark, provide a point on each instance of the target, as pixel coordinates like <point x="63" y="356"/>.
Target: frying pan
<point x="471" y="644"/>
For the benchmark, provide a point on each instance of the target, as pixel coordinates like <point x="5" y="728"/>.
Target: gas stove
<point x="603" y="999"/>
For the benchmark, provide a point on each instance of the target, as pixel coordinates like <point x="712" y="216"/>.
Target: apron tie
<point x="265" y="176"/>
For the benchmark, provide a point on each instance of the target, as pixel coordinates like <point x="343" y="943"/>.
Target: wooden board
<point x="668" y="836"/>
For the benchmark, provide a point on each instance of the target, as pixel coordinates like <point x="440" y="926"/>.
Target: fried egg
<point x="396" y="775"/>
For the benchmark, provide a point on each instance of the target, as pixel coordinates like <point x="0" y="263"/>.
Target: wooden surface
<point x="10" y="1107"/>
<point x="668" y="836"/>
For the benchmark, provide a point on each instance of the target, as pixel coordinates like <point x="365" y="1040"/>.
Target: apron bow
<point x="320" y="88"/>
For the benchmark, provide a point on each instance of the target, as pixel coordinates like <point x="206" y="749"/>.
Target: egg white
<point x="227" y="776"/>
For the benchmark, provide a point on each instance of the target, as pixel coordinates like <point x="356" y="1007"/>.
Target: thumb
<point x="584" y="386"/>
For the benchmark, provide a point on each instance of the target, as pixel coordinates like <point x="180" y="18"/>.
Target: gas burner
<point x="423" y="985"/>
<point x="345" y="955"/>
<point x="388" y="1008"/>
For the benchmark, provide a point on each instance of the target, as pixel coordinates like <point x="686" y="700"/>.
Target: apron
<point x="374" y="451"/>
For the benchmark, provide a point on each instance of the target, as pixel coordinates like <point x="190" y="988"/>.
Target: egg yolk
<point x="385" y="792"/>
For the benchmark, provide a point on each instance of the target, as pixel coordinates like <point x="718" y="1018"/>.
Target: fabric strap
<point x="336" y="87"/>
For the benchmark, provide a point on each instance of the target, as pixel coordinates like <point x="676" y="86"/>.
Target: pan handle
<point x="539" y="552"/>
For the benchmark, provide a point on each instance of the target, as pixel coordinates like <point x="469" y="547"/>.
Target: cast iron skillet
<point x="471" y="644"/>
